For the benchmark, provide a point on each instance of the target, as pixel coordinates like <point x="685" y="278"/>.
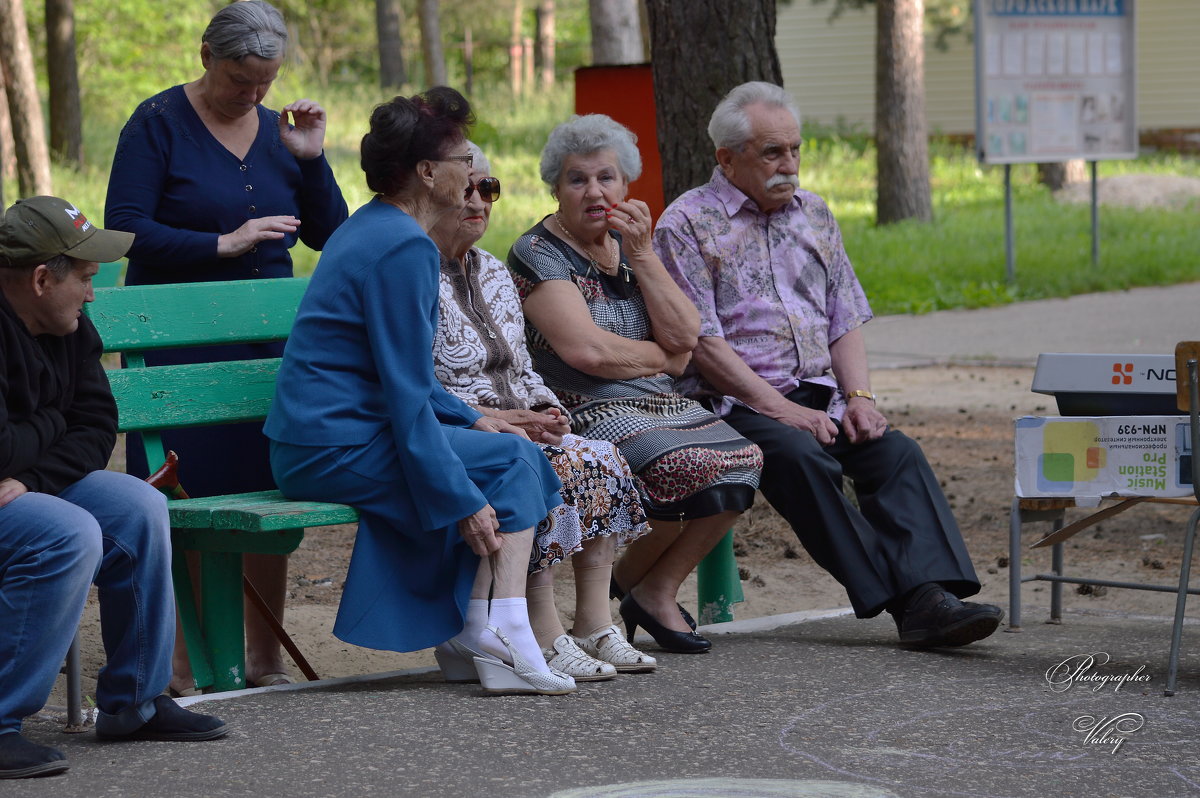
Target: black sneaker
<point x="21" y="759"/>
<point x="172" y="722"/>
<point x="936" y="617"/>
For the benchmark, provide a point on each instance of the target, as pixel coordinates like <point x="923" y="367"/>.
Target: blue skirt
<point x="407" y="588"/>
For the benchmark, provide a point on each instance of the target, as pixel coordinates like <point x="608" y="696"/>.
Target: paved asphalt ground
<point x="816" y="705"/>
<point x="1141" y="321"/>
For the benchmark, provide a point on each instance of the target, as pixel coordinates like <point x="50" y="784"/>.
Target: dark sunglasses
<point x="489" y="189"/>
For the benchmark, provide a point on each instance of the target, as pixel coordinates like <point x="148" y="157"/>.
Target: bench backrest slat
<point x="167" y="397"/>
<point x="139" y="318"/>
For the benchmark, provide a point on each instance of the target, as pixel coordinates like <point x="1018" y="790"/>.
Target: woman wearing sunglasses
<point x="480" y="356"/>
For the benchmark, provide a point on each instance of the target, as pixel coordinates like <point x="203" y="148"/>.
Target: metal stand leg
<point x="1056" y="567"/>
<point x="1014" y="567"/>
<point x="74" y="688"/>
<point x="1181" y="602"/>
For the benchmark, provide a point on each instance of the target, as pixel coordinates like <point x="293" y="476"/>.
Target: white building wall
<point x="830" y="68"/>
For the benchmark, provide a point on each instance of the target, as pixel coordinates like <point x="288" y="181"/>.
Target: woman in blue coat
<point x="448" y="504"/>
<point x="217" y="187"/>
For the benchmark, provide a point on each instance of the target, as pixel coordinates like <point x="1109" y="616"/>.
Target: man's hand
<point x="479" y="531"/>
<point x="862" y="421"/>
<point x="11" y="489"/>
<point x="491" y="424"/>
<point x="803" y="418"/>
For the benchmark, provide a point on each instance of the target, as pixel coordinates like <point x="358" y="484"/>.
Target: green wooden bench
<point x="134" y="320"/>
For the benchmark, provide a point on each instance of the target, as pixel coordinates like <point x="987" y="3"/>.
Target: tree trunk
<point x="1061" y="174"/>
<point x="469" y="60"/>
<point x="5" y="139"/>
<point x="8" y="162"/>
<point x="431" y="43"/>
<point x="702" y="49"/>
<point x="616" y="32"/>
<point x="545" y="43"/>
<point x="66" y="119"/>
<point x="527" y="43"/>
<point x="901" y="140"/>
<point x="516" y="50"/>
<point x="25" y="109"/>
<point x="388" y="19"/>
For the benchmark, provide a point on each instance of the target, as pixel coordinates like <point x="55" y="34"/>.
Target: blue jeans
<point x="107" y="528"/>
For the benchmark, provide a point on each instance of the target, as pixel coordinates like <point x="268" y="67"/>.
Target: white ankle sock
<point x="511" y="616"/>
<point x="476" y="623"/>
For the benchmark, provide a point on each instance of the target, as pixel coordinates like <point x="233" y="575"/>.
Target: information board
<point x="1055" y="80"/>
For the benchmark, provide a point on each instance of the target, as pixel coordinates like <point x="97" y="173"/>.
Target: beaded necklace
<point x="611" y="253"/>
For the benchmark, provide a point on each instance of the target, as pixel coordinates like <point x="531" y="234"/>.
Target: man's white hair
<point x="730" y="125"/>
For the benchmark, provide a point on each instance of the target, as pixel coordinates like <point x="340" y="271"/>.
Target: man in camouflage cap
<point x="65" y="522"/>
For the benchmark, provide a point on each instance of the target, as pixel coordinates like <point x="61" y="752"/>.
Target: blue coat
<point x="360" y="418"/>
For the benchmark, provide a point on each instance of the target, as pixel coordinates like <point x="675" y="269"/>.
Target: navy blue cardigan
<point x="178" y="189"/>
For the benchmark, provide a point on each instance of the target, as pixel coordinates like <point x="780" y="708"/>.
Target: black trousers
<point x="904" y="534"/>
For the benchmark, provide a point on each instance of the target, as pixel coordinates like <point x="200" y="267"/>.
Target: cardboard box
<point x="1093" y="456"/>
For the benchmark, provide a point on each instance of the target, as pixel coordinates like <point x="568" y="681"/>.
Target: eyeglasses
<point x="468" y="159"/>
<point x="488" y="187"/>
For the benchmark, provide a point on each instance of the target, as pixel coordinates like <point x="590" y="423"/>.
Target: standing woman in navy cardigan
<point x="217" y="187"/>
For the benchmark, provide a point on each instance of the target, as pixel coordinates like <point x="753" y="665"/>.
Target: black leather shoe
<point x="936" y="617"/>
<point x="174" y="723"/>
<point x="667" y="639"/>
<point x="615" y="591"/>
<point x="21" y="759"/>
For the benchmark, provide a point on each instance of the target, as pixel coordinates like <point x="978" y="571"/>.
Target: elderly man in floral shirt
<point x="782" y="358"/>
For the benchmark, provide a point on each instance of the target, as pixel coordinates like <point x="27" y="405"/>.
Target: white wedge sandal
<point x="520" y="677"/>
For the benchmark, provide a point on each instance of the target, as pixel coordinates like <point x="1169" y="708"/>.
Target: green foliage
<point x="957" y="261"/>
<point x="128" y="50"/>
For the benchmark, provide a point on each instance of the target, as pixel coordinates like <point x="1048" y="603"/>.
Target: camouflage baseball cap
<point x="36" y="229"/>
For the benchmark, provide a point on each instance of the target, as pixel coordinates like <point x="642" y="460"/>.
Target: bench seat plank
<point x="169" y="397"/>
<point x="235" y="541"/>
<point x="196" y="314"/>
<point x="263" y="511"/>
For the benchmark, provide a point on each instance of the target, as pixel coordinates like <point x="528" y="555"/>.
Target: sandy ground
<point x="963" y="419"/>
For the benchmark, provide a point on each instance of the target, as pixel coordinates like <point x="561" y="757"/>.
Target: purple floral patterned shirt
<point x="779" y="288"/>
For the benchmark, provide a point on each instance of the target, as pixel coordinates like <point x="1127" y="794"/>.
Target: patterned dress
<point x="479" y="355"/>
<point x="690" y="463"/>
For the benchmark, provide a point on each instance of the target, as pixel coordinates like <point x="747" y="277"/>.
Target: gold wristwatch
<point x="862" y="393"/>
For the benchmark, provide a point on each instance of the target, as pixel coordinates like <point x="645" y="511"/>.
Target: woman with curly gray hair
<point x="608" y="328"/>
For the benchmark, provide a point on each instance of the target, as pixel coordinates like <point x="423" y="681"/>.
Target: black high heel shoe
<point x="615" y="591"/>
<point x="667" y="639"/>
